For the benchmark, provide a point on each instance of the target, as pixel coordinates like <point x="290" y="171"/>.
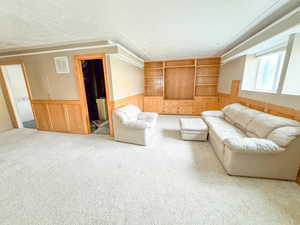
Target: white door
<point x="16" y="85"/>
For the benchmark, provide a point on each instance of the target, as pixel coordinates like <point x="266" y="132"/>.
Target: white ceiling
<point x="154" y="30"/>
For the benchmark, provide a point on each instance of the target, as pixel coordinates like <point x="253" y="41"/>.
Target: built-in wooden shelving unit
<point x="186" y="86"/>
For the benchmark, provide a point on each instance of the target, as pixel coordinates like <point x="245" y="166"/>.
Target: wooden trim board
<point x="82" y="93"/>
<point x="6" y="95"/>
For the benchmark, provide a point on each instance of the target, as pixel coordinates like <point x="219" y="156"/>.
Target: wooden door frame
<point x="5" y="91"/>
<point x="82" y="91"/>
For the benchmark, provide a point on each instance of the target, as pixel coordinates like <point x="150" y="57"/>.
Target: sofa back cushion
<point x="244" y="117"/>
<point x="283" y="136"/>
<point x="127" y="113"/>
<point x="231" y="111"/>
<point x="239" y="115"/>
<point x="263" y="124"/>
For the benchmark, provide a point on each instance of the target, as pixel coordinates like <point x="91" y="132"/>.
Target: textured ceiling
<point x="156" y="29"/>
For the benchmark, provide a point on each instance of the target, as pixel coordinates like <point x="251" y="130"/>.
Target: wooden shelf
<point x="187" y="86"/>
<point x="158" y="68"/>
<point x="185" y="66"/>
<point x="206" y="84"/>
<point x="213" y="75"/>
<point x="211" y="65"/>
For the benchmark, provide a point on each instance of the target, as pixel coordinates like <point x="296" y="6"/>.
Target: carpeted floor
<point x="63" y="179"/>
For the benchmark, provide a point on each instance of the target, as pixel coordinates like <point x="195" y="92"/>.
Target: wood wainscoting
<point x="59" y="115"/>
<point x="137" y="100"/>
<point x="226" y="99"/>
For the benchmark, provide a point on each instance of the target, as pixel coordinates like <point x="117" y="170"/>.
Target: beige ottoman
<point x="193" y="129"/>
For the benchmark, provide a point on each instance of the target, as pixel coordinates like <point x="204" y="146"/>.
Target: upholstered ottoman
<point x="193" y="129"/>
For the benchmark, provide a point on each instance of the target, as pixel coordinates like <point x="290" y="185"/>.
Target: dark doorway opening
<point x="94" y="82"/>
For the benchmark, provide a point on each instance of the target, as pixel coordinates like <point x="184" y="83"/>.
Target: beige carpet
<point x="61" y="179"/>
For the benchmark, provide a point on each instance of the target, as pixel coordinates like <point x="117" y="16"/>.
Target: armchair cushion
<point x="252" y="145"/>
<point x="138" y="124"/>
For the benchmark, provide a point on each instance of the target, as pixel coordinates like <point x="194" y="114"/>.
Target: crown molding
<point x="263" y="30"/>
<point x="127" y="59"/>
<point x="110" y="44"/>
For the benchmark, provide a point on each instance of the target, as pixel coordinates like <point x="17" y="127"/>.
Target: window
<point x="269" y="70"/>
<point x="292" y="79"/>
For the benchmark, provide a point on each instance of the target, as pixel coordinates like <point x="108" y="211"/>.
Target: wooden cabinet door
<point x="170" y="107"/>
<point x="153" y="104"/>
<point x="185" y="107"/>
<point x="205" y="103"/>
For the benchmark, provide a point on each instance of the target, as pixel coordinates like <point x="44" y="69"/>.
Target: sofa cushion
<point x="131" y="110"/>
<point x="215" y="113"/>
<point x="127" y="113"/>
<point x="232" y="110"/>
<point x="283" y="136"/>
<point x="138" y="124"/>
<point x="244" y="117"/>
<point x="223" y="129"/>
<point x="263" y="124"/>
<point x="149" y="117"/>
<point x="252" y="145"/>
<point x="252" y="135"/>
<point x="228" y="119"/>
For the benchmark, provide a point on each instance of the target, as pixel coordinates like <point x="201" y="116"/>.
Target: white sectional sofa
<point x="133" y="126"/>
<point x="253" y="143"/>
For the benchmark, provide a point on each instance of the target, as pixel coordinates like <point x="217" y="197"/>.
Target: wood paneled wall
<point x="59" y="115"/>
<point x="225" y="99"/>
<point x="137" y="100"/>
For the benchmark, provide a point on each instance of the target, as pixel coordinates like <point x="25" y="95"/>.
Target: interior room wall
<point x="127" y="79"/>
<point x="230" y="71"/>
<point x="5" y="122"/>
<point x="234" y="70"/>
<point x="45" y="83"/>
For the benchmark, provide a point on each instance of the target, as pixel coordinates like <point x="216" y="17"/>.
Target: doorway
<point x="96" y="96"/>
<point x="18" y="95"/>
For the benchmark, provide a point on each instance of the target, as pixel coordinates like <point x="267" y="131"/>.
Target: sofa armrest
<point x="137" y="124"/>
<point x="214" y="113"/>
<point x="252" y="145"/>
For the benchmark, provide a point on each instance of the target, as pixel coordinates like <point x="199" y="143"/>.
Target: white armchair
<point x="133" y="126"/>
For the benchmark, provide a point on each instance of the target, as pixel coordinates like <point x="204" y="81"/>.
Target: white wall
<point x="126" y="78"/>
<point x="5" y="122"/>
<point x="232" y="70"/>
<point x="235" y="69"/>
